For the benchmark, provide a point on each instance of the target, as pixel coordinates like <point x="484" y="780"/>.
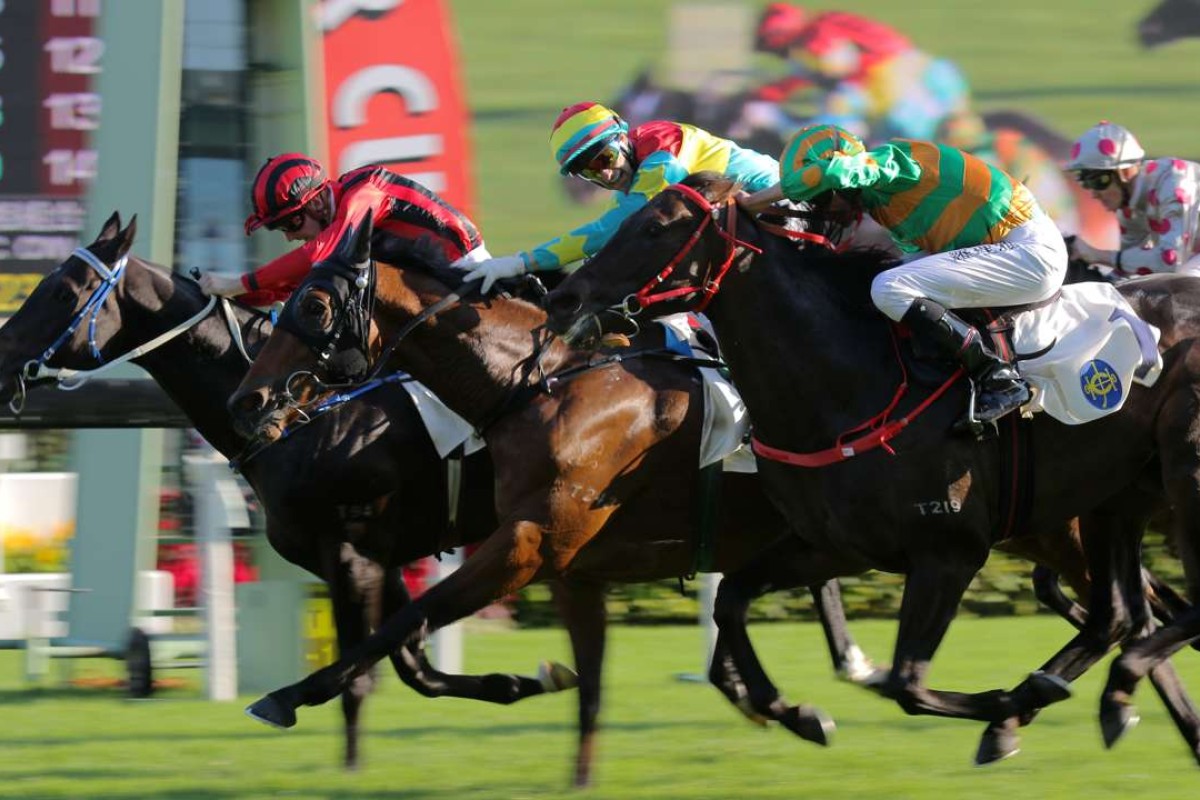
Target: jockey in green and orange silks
<point x="976" y="237"/>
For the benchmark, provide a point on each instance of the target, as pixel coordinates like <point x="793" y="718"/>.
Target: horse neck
<point x="200" y="368"/>
<point x="473" y="356"/>
<point x="783" y="328"/>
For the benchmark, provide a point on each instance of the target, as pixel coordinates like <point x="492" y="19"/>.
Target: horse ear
<point x="361" y="246"/>
<point x="111" y="228"/>
<point x="126" y="237"/>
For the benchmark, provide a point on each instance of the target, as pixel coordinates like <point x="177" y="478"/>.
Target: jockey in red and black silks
<point x="290" y="194"/>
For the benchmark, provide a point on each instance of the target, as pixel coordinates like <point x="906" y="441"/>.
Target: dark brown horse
<point x="377" y="487"/>
<point x="487" y="356"/>
<point x="814" y="360"/>
<point x="350" y="497"/>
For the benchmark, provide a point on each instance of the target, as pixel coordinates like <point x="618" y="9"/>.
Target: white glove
<point x="222" y="284"/>
<point x="495" y="268"/>
<point x="1085" y="252"/>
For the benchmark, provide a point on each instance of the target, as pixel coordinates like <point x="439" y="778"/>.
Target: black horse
<point x="351" y="495"/>
<point x="813" y="360"/>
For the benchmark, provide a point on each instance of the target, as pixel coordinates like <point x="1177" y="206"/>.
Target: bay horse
<point x="814" y="359"/>
<point x="484" y="357"/>
<point x="351" y="495"/>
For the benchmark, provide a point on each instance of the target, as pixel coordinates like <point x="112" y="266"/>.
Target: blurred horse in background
<point x="1169" y="21"/>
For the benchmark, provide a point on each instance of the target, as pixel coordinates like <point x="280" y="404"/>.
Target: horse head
<point x="71" y="318"/>
<point x="324" y="339"/>
<point x="672" y="254"/>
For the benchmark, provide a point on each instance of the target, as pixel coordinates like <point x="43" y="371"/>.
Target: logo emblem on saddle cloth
<point x="1082" y="353"/>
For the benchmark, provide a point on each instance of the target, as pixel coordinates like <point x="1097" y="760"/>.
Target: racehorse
<point x="484" y="355"/>
<point x="813" y="359"/>
<point x="349" y="496"/>
<point x="1169" y="21"/>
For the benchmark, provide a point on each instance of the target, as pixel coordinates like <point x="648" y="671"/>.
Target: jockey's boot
<point x="999" y="388"/>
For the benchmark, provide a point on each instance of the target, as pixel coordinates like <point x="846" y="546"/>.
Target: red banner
<point x="392" y="93"/>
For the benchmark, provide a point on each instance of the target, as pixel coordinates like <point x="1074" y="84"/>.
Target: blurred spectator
<point x="872" y="80"/>
<point x="1019" y="156"/>
<point x="1157" y="202"/>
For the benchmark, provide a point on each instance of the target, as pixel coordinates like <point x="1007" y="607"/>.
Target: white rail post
<point x="219" y="506"/>
<point x="447" y="643"/>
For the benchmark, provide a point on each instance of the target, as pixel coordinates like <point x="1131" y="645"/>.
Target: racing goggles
<point x="289" y="224"/>
<point x="607" y="158"/>
<point x="1097" y="180"/>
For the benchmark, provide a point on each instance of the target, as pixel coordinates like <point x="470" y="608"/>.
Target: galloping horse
<point x="559" y="477"/>
<point x="369" y="484"/>
<point x="350" y="497"/>
<point x="813" y="360"/>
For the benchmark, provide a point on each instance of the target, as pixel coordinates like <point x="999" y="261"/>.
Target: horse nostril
<point x="248" y="402"/>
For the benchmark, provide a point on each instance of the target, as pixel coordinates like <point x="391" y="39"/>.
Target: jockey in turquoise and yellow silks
<point x="976" y="236"/>
<point x="592" y="142"/>
<point x="872" y="79"/>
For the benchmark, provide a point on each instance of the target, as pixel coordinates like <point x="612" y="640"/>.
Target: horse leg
<point x="581" y="607"/>
<point x="506" y="561"/>
<point x="850" y="663"/>
<point x="353" y="588"/>
<point x="736" y="670"/>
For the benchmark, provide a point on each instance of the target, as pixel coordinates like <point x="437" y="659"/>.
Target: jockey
<point x="592" y="142"/>
<point x="873" y="80"/>
<point x="1156" y="202"/>
<point x="291" y="194"/>
<point x="1019" y="156"/>
<point x="977" y="237"/>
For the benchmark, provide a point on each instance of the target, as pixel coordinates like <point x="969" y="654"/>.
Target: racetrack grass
<point x="661" y="738"/>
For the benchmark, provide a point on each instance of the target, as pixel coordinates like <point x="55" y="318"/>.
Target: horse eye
<point x="63" y="294"/>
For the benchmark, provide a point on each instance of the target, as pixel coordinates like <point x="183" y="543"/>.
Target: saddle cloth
<point x="1082" y="353"/>
<point x="726" y="423"/>
<point x="447" y="429"/>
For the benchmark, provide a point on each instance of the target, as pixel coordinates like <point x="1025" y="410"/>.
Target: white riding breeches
<point x="1026" y="266"/>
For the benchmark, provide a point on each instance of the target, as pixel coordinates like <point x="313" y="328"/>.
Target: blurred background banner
<point x="393" y="94"/>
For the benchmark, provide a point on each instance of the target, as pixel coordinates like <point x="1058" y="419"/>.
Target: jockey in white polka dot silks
<point x="1156" y="202"/>
<point x="975" y="236"/>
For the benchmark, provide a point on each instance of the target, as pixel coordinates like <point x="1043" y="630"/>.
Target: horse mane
<point x="848" y="273"/>
<point x="423" y="254"/>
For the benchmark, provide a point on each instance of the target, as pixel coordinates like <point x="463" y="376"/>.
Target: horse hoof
<point x="1116" y="719"/>
<point x="997" y="744"/>
<point x="809" y="723"/>
<point x="556" y="677"/>
<point x="1048" y="688"/>
<point x="271" y="712"/>
<point x="743" y="705"/>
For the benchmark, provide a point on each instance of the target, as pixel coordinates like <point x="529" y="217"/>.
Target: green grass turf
<point x="661" y="738"/>
<point x="1071" y="62"/>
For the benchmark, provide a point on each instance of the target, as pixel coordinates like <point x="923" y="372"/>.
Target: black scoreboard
<point x="49" y="59"/>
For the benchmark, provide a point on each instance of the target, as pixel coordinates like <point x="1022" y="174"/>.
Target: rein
<point x="646" y="296"/>
<point x="72" y="379"/>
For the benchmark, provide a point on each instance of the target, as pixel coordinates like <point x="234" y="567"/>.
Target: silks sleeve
<point x="1167" y="217"/>
<point x="656" y="172"/>
<point x="871" y="169"/>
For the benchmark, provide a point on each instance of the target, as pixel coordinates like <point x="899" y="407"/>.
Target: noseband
<point x="710" y="215"/>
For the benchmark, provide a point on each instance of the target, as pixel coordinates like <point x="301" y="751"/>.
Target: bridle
<point x="36" y="369"/>
<point x="646" y="296"/>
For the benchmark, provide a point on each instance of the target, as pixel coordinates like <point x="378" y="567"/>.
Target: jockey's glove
<point x="494" y="269"/>
<point x="222" y="284"/>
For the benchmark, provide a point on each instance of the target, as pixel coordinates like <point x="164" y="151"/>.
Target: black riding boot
<point x="999" y="388"/>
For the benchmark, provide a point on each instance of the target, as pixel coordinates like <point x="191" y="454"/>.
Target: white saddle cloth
<point x="725" y="419"/>
<point x="1083" y="353"/>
